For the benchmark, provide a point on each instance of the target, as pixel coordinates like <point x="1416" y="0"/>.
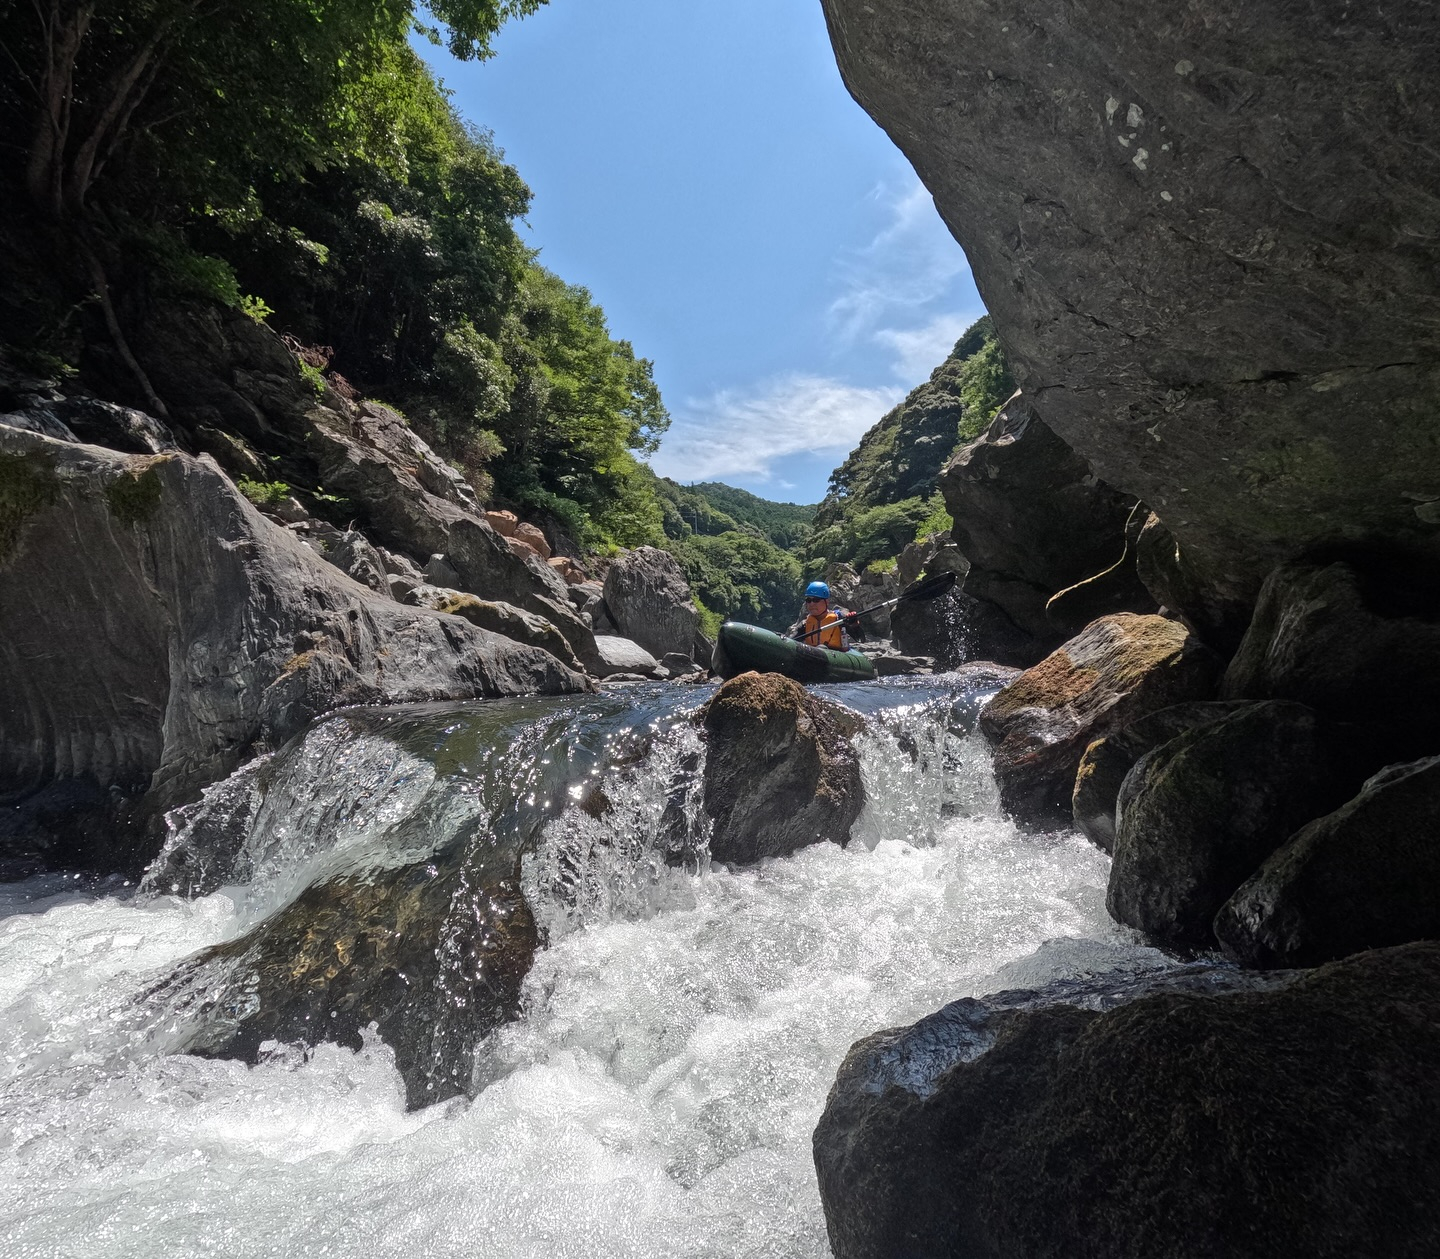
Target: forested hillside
<point x="299" y="162"/>
<point x="883" y="496"/>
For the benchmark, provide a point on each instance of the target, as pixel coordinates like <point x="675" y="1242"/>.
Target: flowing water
<point x="677" y="1038"/>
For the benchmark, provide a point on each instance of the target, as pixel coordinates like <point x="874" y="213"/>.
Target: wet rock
<point x="1121" y="668"/>
<point x="1192" y="301"/>
<point x="1198" y="815"/>
<point x="780" y="772"/>
<point x="1107" y="761"/>
<point x="1032" y="519"/>
<point x="891" y="664"/>
<point x="677" y="664"/>
<point x="1362" y="877"/>
<point x="649" y="601"/>
<point x="1355" y="645"/>
<point x="156" y="629"/>
<point x="1194" y="1121"/>
<point x="434" y="959"/>
<point x="622" y="655"/>
<point x="957" y="627"/>
<point x="505" y="619"/>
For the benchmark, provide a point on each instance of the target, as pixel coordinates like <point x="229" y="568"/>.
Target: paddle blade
<point x="932" y="587"/>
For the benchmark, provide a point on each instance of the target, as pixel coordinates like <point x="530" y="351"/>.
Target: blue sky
<point x="702" y="170"/>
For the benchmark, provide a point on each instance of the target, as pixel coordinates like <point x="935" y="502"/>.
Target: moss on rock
<point x="133" y="496"/>
<point x="28" y="484"/>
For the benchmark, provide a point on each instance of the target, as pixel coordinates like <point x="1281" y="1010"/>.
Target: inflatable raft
<point x="740" y="648"/>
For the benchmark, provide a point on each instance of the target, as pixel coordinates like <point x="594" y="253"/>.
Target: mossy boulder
<point x="1364" y="876"/>
<point x="500" y="618"/>
<point x="1284" y="1120"/>
<point x="1197" y="816"/>
<point x="780" y="770"/>
<point x="1118" y="669"/>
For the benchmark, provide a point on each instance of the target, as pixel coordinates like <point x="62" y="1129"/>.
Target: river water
<point x="678" y="1035"/>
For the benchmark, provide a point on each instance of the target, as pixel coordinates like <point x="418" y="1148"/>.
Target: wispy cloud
<point x="919" y="351"/>
<point x="907" y="267"/>
<point x="740" y="433"/>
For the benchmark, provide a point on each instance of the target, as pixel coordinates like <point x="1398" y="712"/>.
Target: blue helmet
<point x="817" y="590"/>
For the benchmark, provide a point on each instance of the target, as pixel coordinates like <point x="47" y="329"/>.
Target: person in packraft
<point x="823" y="626"/>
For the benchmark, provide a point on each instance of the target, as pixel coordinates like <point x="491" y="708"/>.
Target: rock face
<point x="1107" y="761"/>
<point x="649" y="600"/>
<point x="156" y="629"/>
<point x="1032" y="519"/>
<point x="1181" y="1123"/>
<point x="1357" y="647"/>
<point x="780" y="772"/>
<point x="1183" y="224"/>
<point x="1198" y="815"/>
<point x="1365" y="876"/>
<point x="1119" y="669"/>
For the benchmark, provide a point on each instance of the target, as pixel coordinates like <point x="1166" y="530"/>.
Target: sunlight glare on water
<point x="656" y="1098"/>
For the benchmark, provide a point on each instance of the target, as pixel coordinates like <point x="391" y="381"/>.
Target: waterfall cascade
<point x="649" y="1087"/>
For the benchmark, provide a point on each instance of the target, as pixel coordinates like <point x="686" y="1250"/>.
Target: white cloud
<point x="919" y="351"/>
<point x="739" y="433"/>
<point x="909" y="264"/>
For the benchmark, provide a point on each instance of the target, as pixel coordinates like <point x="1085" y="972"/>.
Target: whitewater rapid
<point x="656" y="1098"/>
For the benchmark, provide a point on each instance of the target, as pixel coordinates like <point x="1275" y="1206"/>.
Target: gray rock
<point x="402" y="588"/>
<point x="157" y="629"/>
<point x="1107" y="761"/>
<point x="1121" y="668"/>
<point x="1197" y="816"/>
<point x="1032" y="519"/>
<point x="438" y="571"/>
<point x="1180" y="222"/>
<point x="1354" y="645"/>
<point x="1363" y="877"/>
<point x="513" y="623"/>
<point x="677" y="664"/>
<point x="649" y="601"/>
<point x="400" y="565"/>
<point x="1179" y="1114"/>
<point x="621" y="655"/>
<point x="780" y="772"/>
<point x="889" y="665"/>
<point x="42" y="420"/>
<point x="356" y="558"/>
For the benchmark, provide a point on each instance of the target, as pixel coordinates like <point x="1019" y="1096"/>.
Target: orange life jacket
<point x="832" y="634"/>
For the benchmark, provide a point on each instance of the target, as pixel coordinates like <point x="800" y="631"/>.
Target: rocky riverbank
<point x="1177" y="223"/>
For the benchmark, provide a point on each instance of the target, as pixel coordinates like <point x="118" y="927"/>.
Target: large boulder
<point x="156" y="629"/>
<point x="1198" y="815"/>
<point x="1355" y="644"/>
<point x="780" y="771"/>
<point x="1205" y="235"/>
<point x="1365" y="876"/>
<point x="1107" y="761"/>
<point x="1116" y="1118"/>
<point x="649" y="600"/>
<point x="513" y="623"/>
<point x="1119" y="669"/>
<point x="1032" y="519"/>
<point x="622" y="655"/>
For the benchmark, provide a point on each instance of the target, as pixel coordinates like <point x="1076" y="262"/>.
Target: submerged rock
<point x="1195" y="1113"/>
<point x="1119" y="669"/>
<point x="780" y="772"/>
<point x="1107" y="761"/>
<point x="1198" y="815"/>
<point x="430" y="956"/>
<point x="649" y="600"/>
<point x="1362" y="877"/>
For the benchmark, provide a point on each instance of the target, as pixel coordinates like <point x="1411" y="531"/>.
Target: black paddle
<point x="930" y="588"/>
